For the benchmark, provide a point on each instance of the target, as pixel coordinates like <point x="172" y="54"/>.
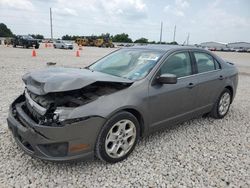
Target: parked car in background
<point x="212" y="49"/>
<point x="241" y="50"/>
<point x="26" y="41"/>
<point x="102" y="110"/>
<point x="226" y="49"/>
<point x="63" y="44"/>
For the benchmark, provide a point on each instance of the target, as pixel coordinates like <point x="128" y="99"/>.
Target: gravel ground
<point x="199" y="153"/>
<point x="242" y="60"/>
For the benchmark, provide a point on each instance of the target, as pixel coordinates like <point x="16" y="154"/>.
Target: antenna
<point x="51" y="26"/>
<point x="174" y="33"/>
<point x="161" y="33"/>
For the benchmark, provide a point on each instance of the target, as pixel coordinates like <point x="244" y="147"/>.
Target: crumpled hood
<point x="65" y="79"/>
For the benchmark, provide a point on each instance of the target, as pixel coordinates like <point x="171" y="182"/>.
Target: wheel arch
<point x="230" y="88"/>
<point x="138" y="115"/>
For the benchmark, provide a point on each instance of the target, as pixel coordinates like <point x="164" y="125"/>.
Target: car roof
<point x="163" y="47"/>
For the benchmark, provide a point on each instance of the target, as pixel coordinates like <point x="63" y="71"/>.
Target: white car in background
<point x="63" y="44"/>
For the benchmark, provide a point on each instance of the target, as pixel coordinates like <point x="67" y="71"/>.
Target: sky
<point x="214" y="20"/>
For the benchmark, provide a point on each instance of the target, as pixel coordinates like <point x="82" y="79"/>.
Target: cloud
<point x="224" y="19"/>
<point x="135" y="9"/>
<point x="182" y="4"/>
<point x="214" y="20"/>
<point x="17" y="4"/>
<point x="178" y="9"/>
<point x="65" y="11"/>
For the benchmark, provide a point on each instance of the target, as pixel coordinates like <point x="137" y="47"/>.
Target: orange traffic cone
<point x="33" y="53"/>
<point x="77" y="53"/>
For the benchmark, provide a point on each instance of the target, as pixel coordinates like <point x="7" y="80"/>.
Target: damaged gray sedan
<point x="102" y="110"/>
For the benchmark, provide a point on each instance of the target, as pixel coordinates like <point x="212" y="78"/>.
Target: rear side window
<point x="178" y="64"/>
<point x="205" y="62"/>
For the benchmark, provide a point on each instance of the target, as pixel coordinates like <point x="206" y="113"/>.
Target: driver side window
<point x="178" y="64"/>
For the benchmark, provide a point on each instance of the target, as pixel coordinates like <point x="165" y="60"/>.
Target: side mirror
<point x="167" y="79"/>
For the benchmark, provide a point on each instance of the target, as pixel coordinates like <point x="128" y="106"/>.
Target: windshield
<point x="27" y="37"/>
<point x="133" y="64"/>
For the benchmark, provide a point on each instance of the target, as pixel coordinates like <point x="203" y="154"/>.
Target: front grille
<point x="42" y="101"/>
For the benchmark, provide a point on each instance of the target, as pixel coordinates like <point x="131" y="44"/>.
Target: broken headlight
<point x="75" y="120"/>
<point x="60" y="114"/>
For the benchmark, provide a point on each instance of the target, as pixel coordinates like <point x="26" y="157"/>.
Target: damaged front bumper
<point x="65" y="143"/>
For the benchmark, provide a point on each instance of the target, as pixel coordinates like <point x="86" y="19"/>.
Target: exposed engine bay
<point x="43" y="107"/>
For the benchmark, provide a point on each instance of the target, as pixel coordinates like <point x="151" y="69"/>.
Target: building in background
<point x="239" y="45"/>
<point x="214" y="45"/>
<point x="218" y="46"/>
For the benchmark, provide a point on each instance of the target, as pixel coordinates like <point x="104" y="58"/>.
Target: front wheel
<point x="222" y="105"/>
<point x="118" y="137"/>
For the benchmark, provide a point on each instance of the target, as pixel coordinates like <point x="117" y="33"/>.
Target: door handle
<point x="190" y="85"/>
<point x="221" y="77"/>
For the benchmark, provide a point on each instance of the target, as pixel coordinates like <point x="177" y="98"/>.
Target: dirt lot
<point x="199" y="153"/>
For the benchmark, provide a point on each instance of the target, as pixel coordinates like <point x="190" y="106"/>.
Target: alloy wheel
<point x="120" y="138"/>
<point x="224" y="103"/>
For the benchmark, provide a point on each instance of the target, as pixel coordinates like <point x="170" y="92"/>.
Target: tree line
<point x="123" y="37"/>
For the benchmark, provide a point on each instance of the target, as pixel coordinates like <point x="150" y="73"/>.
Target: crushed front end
<point x="48" y="119"/>
<point x="41" y="127"/>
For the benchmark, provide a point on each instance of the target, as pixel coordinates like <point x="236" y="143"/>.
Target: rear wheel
<point x="118" y="137"/>
<point x="222" y="105"/>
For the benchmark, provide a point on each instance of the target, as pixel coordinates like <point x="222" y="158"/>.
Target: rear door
<point x="209" y="79"/>
<point x="173" y="102"/>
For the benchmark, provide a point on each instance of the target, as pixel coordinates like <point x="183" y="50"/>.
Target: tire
<point x="219" y="110"/>
<point x="125" y="129"/>
<point x="36" y="47"/>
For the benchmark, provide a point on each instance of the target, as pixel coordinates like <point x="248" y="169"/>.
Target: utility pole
<point x="161" y="33"/>
<point x="51" y="26"/>
<point x="174" y="33"/>
<point x="188" y="38"/>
